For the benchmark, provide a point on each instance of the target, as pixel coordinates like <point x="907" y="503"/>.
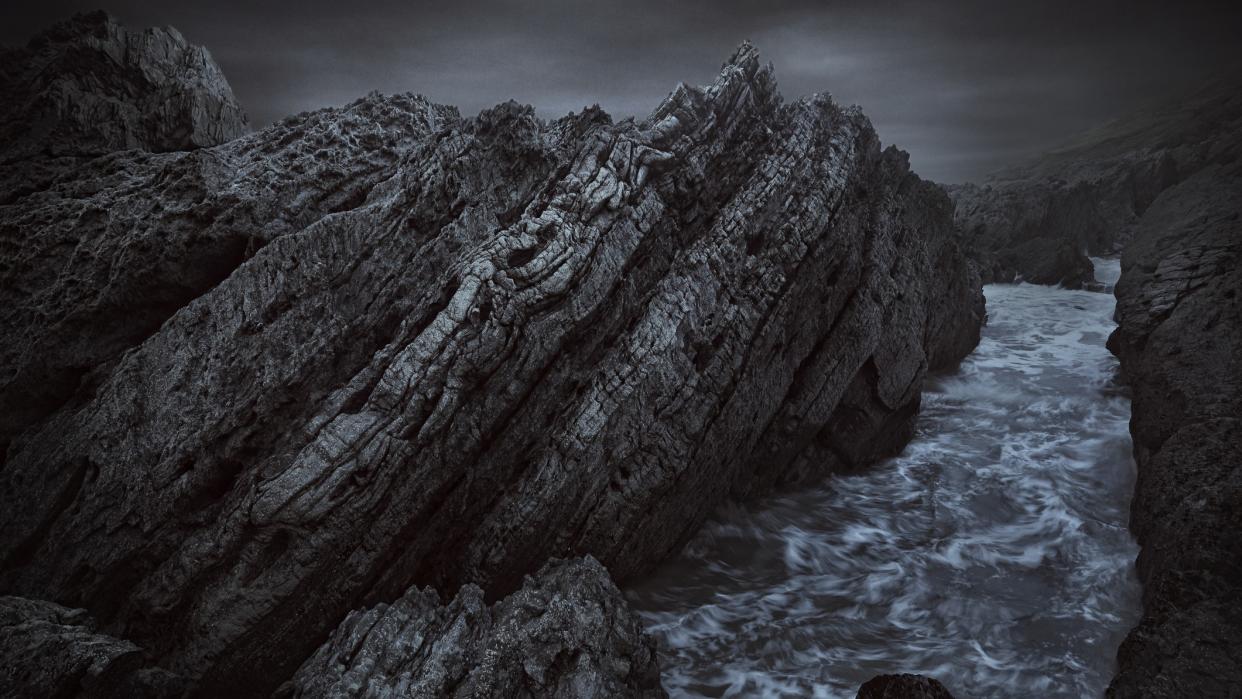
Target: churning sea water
<point x="991" y="554"/>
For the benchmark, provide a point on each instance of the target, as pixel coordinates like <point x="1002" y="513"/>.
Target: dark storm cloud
<point x="966" y="87"/>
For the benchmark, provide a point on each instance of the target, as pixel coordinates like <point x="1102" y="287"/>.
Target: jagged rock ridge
<point x="382" y="345"/>
<point x="88" y="87"/>
<point x="566" y="633"/>
<point x="1040" y="220"/>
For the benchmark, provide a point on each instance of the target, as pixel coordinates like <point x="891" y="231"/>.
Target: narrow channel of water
<point x="992" y="553"/>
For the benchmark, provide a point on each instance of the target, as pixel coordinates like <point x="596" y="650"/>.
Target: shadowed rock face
<point x="47" y="650"/>
<point x="250" y="388"/>
<point x="1040" y="220"/>
<point x="903" y="687"/>
<point x="566" y="633"/>
<point x="87" y="87"/>
<point x="1179" y="340"/>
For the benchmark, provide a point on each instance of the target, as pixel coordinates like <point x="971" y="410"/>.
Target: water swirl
<point x="992" y="553"/>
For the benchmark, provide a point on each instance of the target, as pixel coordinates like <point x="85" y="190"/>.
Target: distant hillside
<point x="1040" y="219"/>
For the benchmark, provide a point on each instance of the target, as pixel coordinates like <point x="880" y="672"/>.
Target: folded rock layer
<point x="252" y="387"/>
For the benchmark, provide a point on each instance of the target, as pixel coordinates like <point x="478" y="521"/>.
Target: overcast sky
<point x="964" y="86"/>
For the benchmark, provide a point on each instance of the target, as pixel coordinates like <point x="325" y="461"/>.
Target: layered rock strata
<point x="88" y="87"/>
<point x="47" y="650"/>
<point x="566" y="633"/>
<point x="1179" y="340"/>
<point x="250" y="388"/>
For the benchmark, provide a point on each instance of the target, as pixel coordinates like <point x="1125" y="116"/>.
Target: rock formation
<point x="567" y="633"/>
<point x="47" y="650"/>
<point x="1040" y="220"/>
<point x="251" y="388"/>
<point x="87" y="87"/>
<point x="1179" y="340"/>
<point x="903" y="687"/>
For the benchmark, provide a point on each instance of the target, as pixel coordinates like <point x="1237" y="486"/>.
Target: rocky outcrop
<point x="1179" y="340"/>
<point x="47" y="650"/>
<point x="903" y="687"/>
<point x="1026" y="231"/>
<point x="566" y="633"/>
<point x="1039" y="221"/>
<point x="87" y="87"/>
<point x="95" y="265"/>
<point x="250" y="388"/>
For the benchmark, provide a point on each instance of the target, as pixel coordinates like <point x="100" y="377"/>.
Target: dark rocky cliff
<point x="1040" y="220"/>
<point x="1165" y="187"/>
<point x="564" y="634"/>
<point x="87" y="87"/>
<point x="250" y="388"/>
<point x="1180" y="344"/>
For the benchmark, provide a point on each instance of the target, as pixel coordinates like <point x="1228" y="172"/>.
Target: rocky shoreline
<point x="255" y="387"/>
<point x="1162" y="187"/>
<point x="1039" y="221"/>
<point x="1180" y="342"/>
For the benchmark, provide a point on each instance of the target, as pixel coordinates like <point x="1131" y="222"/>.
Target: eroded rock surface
<point x="87" y="87"/>
<point x="567" y="633"/>
<point x="1040" y="220"/>
<point x="250" y="388"/>
<point x="1180" y="344"/>
<point x="903" y="687"/>
<point x="95" y="264"/>
<point x="47" y="650"/>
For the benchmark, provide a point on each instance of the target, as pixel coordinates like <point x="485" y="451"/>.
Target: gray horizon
<point x="965" y="87"/>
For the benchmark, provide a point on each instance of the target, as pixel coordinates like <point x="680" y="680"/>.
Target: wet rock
<point x="47" y="650"/>
<point x="252" y="387"/>
<point x="566" y="633"/>
<point x="135" y="237"/>
<point x="1040" y="220"/>
<point x="903" y="687"/>
<point x="87" y="87"/>
<point x="1009" y="232"/>
<point x="1179" y="340"/>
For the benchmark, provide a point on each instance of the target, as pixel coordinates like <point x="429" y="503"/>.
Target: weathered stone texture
<point x="567" y="633"/>
<point x="250" y="388"/>
<point x="1180" y="344"/>
<point x="88" y="87"/>
<point x="903" y="687"/>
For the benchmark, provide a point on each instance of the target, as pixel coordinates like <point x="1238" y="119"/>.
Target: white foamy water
<point x="991" y="554"/>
